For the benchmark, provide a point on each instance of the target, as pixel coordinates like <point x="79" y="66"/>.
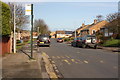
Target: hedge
<point x="5" y="18"/>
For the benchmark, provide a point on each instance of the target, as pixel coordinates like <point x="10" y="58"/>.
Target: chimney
<point x="95" y="21"/>
<point x="83" y="24"/>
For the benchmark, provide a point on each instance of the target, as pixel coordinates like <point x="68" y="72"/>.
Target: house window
<point x="93" y="31"/>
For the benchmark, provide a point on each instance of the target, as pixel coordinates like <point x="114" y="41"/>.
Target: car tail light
<point x="78" y="40"/>
<point x="84" y="41"/>
<point x="49" y="40"/>
<point x="37" y="40"/>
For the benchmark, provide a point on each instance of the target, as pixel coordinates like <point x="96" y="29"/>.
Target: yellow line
<point x="53" y="56"/>
<point x="58" y="57"/>
<point x="66" y="61"/>
<point x="72" y="60"/>
<point x="62" y="56"/>
<point x="76" y="62"/>
<point x="86" y="62"/>
<point x="101" y="61"/>
<point x="67" y="56"/>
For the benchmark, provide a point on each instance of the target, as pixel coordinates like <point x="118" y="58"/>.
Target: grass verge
<point x="112" y="43"/>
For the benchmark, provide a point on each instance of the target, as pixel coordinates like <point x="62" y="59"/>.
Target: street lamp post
<point x="14" y="34"/>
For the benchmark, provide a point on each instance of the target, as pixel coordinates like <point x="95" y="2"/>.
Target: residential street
<point x="59" y="40"/>
<point x="75" y="62"/>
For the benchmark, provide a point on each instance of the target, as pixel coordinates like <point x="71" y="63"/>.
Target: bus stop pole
<point x="31" y="31"/>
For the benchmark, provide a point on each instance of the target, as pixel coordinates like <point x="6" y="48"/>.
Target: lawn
<point x="112" y="43"/>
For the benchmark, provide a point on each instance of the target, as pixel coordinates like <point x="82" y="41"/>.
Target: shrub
<point x="18" y="41"/>
<point x="5" y="17"/>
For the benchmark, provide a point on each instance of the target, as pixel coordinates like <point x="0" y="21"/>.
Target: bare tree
<point x="99" y="18"/>
<point x="114" y="20"/>
<point x="21" y="18"/>
<point x="41" y="27"/>
<point x="112" y="16"/>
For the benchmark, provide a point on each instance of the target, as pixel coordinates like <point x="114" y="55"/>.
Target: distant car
<point x="43" y="40"/>
<point x="60" y="40"/>
<point x="86" y="41"/>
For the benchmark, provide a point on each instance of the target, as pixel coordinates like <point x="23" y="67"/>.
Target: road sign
<point x="28" y="9"/>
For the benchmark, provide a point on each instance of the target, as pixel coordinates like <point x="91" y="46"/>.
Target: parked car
<point x="74" y="42"/>
<point x="43" y="40"/>
<point x="60" y="40"/>
<point x="86" y="41"/>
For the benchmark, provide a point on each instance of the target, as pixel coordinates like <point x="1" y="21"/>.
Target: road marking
<point x="86" y="62"/>
<point x="53" y="56"/>
<point x="79" y="61"/>
<point x="78" y="52"/>
<point x="115" y="67"/>
<point x="72" y="60"/>
<point x="76" y="62"/>
<point x="67" y="56"/>
<point x="58" y="57"/>
<point x="62" y="57"/>
<point x="67" y="61"/>
<point x="101" y="61"/>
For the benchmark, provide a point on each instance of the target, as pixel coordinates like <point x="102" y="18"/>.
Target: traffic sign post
<point x="29" y="11"/>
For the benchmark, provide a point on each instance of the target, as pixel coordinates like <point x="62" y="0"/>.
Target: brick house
<point x="61" y="34"/>
<point x="52" y="34"/>
<point x="25" y="34"/>
<point x="92" y="28"/>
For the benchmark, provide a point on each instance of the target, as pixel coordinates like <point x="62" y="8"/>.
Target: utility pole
<point x="75" y="33"/>
<point x="38" y="31"/>
<point x="14" y="34"/>
<point x="31" y="31"/>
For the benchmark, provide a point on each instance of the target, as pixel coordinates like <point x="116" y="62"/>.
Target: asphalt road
<point x="75" y="62"/>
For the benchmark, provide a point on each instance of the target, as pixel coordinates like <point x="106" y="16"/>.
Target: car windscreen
<point x="43" y="38"/>
<point x="88" y="38"/>
<point x="59" y="38"/>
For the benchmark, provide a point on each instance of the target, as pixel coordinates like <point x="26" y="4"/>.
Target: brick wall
<point x="6" y="44"/>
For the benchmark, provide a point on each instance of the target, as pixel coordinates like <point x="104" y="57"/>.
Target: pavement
<point x="113" y="49"/>
<point x="20" y="66"/>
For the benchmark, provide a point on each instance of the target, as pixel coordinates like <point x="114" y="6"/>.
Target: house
<point x="111" y="29"/>
<point x="61" y="34"/>
<point x="52" y="34"/>
<point x="68" y="33"/>
<point x="25" y="34"/>
<point x="35" y="35"/>
<point x="93" y="28"/>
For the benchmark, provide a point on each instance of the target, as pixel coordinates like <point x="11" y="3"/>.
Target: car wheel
<point x="95" y="47"/>
<point x="75" y="45"/>
<point x="48" y="45"/>
<point x="83" y="46"/>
